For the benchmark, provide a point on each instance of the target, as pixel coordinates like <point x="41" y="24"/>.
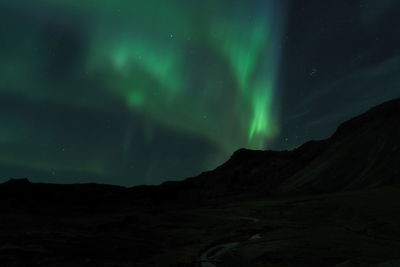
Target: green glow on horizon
<point x="206" y="69"/>
<point x="244" y="52"/>
<point x="261" y="123"/>
<point x="153" y="75"/>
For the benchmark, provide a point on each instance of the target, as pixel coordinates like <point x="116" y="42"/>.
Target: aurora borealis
<point x="139" y="92"/>
<point x="190" y="73"/>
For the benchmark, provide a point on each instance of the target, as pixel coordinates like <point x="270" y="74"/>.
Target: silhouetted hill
<point x="364" y="152"/>
<point x="333" y="202"/>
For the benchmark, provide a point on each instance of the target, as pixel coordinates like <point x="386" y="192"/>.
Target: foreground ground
<point x="359" y="228"/>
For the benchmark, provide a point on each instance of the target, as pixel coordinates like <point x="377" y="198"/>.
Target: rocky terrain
<point x="334" y="202"/>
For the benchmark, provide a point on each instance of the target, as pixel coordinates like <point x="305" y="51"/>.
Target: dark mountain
<point x="334" y="202"/>
<point x="364" y="152"/>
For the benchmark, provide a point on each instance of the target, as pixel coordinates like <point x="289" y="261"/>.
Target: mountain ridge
<point x="347" y="160"/>
<point x="333" y="202"/>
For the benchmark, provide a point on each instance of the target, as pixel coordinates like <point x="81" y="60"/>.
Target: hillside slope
<point x="334" y="202"/>
<point x="364" y="152"/>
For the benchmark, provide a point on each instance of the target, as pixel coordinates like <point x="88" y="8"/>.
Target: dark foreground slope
<point x="364" y="152"/>
<point x="334" y="202"/>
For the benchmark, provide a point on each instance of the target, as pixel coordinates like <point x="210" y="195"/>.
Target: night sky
<point x="139" y="92"/>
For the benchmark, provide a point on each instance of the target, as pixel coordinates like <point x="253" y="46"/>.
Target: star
<point x="313" y="72"/>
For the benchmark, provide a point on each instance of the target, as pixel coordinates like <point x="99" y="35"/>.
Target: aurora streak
<point x="206" y="69"/>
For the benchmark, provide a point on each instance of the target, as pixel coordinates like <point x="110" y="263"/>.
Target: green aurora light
<point x="204" y="68"/>
<point x="152" y="71"/>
